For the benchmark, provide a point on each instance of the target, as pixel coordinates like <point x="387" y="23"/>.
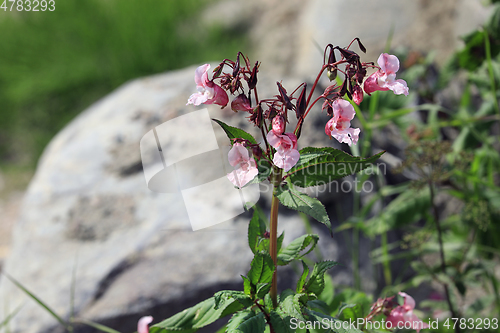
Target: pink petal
<point x="348" y="135"/>
<point x="220" y="97"/>
<point x="409" y="301"/>
<point x="240" y="176"/>
<point x="286" y="159"/>
<point x="238" y="154"/>
<point x="398" y="87"/>
<point x="343" y="109"/>
<point x="201" y="75"/>
<point x="273" y="139"/>
<point x="388" y="63"/>
<point x="371" y="83"/>
<point x="197" y="99"/>
<point x="293" y="138"/>
<point x="142" y="325"/>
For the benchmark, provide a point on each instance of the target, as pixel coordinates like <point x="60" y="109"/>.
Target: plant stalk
<point x="454" y="314"/>
<point x="273" y="237"/>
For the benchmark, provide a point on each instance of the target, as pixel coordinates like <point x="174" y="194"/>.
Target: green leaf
<point x="294" y="249"/>
<point x="320" y="166"/>
<point x="223" y="296"/>
<point x="316" y="282"/>
<point x="233" y="132"/>
<point x="303" y="277"/>
<point x="255" y="324"/>
<point x="407" y="208"/>
<point x="193" y="318"/>
<point x="301" y="202"/>
<point x="280" y="324"/>
<point x="350" y="312"/>
<point x="263" y="289"/>
<point x="36" y="299"/>
<point x="247" y="286"/>
<point x="262" y="269"/>
<point x="10" y="316"/>
<point x="318" y="305"/>
<point x="289" y="305"/>
<point x="238" y="318"/>
<point x="256" y="228"/>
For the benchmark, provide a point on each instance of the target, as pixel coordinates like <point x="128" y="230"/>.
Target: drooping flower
<point x="286" y="155"/>
<point x="142" y="325"/>
<point x="208" y="91"/>
<point x="339" y="126"/>
<point x="385" y="78"/>
<point x="403" y="314"/>
<point x="245" y="166"/>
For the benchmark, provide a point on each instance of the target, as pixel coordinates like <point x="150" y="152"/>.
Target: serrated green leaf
<point x="316" y="282"/>
<point x="256" y="228"/>
<point x="261" y="269"/>
<point x="279" y="324"/>
<point x="238" y="318"/>
<point x="233" y="132"/>
<point x="193" y="318"/>
<point x="294" y="249"/>
<point x="302" y="281"/>
<point x="226" y="295"/>
<point x="301" y="202"/>
<point x="255" y="324"/>
<point x="289" y="305"/>
<point x="328" y="292"/>
<point x="407" y="208"/>
<point x="320" y="166"/>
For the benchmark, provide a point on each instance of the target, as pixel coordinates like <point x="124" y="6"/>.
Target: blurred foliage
<point x="55" y="64"/>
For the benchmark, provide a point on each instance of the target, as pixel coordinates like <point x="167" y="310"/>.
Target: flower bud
<point x="241" y="103"/>
<point x="278" y="125"/>
<point x="357" y="94"/>
<point x="301" y="103"/>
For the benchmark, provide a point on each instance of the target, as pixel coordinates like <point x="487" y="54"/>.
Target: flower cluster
<point x="398" y="315"/>
<point x="280" y="149"/>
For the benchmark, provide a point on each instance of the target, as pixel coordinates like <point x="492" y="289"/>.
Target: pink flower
<point x="385" y="78"/>
<point x="245" y="166"/>
<point x="340" y="125"/>
<point x="142" y="325"/>
<point x="286" y="155"/>
<point x="208" y="91"/>
<point x="403" y="317"/>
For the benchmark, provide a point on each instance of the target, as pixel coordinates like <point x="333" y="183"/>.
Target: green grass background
<point x="55" y="64"/>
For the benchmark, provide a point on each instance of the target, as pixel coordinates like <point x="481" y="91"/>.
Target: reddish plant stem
<point x="273" y="237"/>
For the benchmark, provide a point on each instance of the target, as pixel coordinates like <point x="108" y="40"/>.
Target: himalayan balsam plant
<point x="276" y="158"/>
